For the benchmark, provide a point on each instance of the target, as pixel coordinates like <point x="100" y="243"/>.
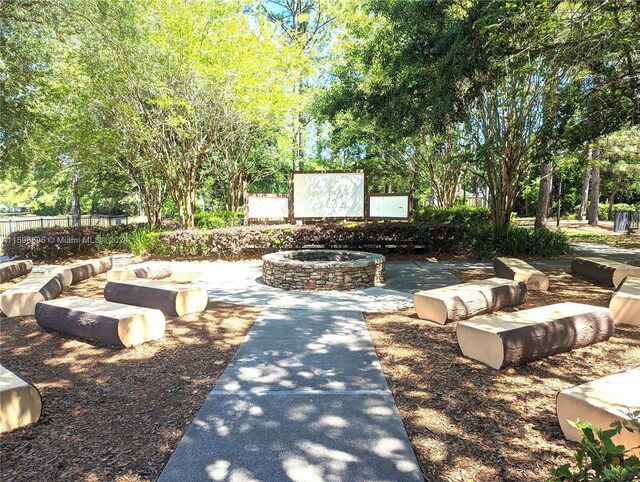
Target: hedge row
<point x="243" y="242"/>
<point x="66" y="242"/>
<point x="234" y="243"/>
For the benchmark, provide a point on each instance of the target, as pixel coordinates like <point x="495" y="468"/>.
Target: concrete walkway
<point x="241" y="284"/>
<point x="304" y="399"/>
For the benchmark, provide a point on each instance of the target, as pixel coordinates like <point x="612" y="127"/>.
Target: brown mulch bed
<point x="113" y="414"/>
<point x="468" y="422"/>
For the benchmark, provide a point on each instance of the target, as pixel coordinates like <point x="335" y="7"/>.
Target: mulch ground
<point x="113" y="414"/>
<point x="117" y="414"/>
<point x="468" y="422"/>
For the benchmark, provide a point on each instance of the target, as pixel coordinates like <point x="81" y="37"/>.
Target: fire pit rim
<point x="370" y="263"/>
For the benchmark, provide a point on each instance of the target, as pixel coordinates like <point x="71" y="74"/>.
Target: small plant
<point x="143" y="241"/>
<point x="459" y="215"/>
<point x="217" y="219"/>
<point x="517" y="241"/>
<point x="599" y="459"/>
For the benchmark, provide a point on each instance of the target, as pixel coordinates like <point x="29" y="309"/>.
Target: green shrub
<point x="51" y="244"/>
<point x="599" y="459"/>
<point x="603" y="209"/>
<point x="217" y="219"/>
<point x="517" y="241"/>
<point x="459" y="215"/>
<point x="251" y="241"/>
<point x="144" y="241"/>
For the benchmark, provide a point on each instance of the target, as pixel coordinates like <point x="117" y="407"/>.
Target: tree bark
<point x="611" y="200"/>
<point x="582" y="214"/>
<point x="544" y="194"/>
<point x="75" y="202"/>
<point x="595" y="196"/>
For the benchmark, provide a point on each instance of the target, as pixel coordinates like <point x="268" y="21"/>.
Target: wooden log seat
<point x="20" y="402"/>
<point x="147" y="270"/>
<point x="102" y="321"/>
<point x="625" y="302"/>
<point x="173" y="299"/>
<point x="605" y="271"/>
<point x="74" y="273"/>
<point x="510" y="339"/>
<point x="21" y="299"/>
<point x="13" y="269"/>
<point x="516" y="269"/>
<point x="462" y="301"/>
<point x="602" y="402"/>
<point x="186" y="272"/>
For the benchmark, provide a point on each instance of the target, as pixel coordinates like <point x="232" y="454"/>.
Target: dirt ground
<point x="113" y="414"/>
<point x="468" y="422"/>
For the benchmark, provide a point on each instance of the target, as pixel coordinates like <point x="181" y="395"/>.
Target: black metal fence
<point x="10" y="225"/>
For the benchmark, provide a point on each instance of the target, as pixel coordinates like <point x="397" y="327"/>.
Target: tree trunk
<point x="595" y="196"/>
<point x="75" y="202"/>
<point x="544" y="194"/>
<point x="582" y="214"/>
<point x="611" y="200"/>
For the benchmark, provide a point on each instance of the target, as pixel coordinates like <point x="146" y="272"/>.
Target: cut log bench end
<point x="101" y="321"/>
<point x="21" y="299"/>
<point x="13" y="269"/>
<point x="605" y="271"/>
<point x="518" y="270"/>
<point x="146" y="270"/>
<point x="20" y="402"/>
<point x="602" y="402"/>
<point x="510" y="339"/>
<point x="76" y="272"/>
<point x="462" y="301"/>
<point x="625" y="302"/>
<point x="173" y="299"/>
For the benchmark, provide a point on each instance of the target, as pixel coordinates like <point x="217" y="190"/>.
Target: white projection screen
<point x="329" y="195"/>
<point x="267" y="207"/>
<point x="394" y="206"/>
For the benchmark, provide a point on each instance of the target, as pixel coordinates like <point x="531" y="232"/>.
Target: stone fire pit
<point x="322" y="269"/>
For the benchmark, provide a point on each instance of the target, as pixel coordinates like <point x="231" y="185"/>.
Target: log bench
<point x="101" y="321"/>
<point x="147" y="270"/>
<point x="510" y="339"/>
<point x="605" y="271"/>
<point x="74" y="273"/>
<point x="13" y="269"/>
<point x="186" y="272"/>
<point x="21" y="299"/>
<point x="20" y="402"/>
<point x="516" y="269"/>
<point x="462" y="301"/>
<point x="625" y="302"/>
<point x="602" y="402"/>
<point x="173" y="299"/>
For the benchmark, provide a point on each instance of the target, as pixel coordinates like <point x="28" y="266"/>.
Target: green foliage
<point x="603" y="209"/>
<point x="143" y="241"/>
<point x="217" y="219"/>
<point x="459" y="215"/>
<point x="252" y="241"/>
<point x="51" y="244"/>
<point x="517" y="241"/>
<point x="599" y="459"/>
